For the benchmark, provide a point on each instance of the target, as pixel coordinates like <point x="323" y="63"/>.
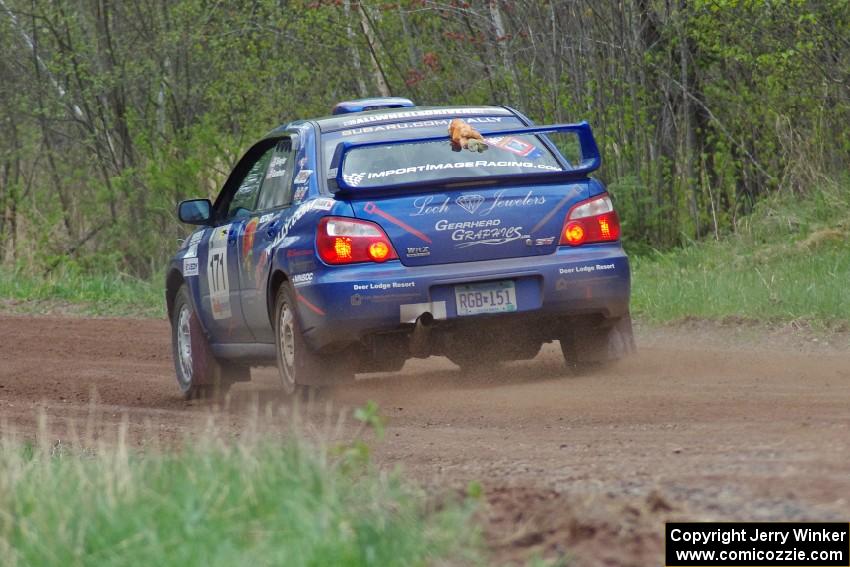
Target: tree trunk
<point x="378" y="71"/>
<point x="501" y="38"/>
<point x="355" y="51"/>
<point x="687" y="152"/>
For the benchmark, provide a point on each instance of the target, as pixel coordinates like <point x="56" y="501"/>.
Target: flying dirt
<point x="699" y="425"/>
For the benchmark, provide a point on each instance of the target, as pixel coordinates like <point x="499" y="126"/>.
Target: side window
<point x="244" y="201"/>
<point x="277" y="186"/>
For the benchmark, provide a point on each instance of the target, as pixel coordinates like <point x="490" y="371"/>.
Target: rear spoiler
<point x="589" y="151"/>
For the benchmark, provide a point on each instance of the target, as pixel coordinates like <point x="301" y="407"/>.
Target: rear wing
<point x="339" y="182"/>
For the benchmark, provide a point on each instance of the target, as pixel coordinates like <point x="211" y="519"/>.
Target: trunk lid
<point x="439" y="202"/>
<point x="466" y="225"/>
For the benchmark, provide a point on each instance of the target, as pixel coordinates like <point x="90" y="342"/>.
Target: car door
<point x="235" y="207"/>
<point x="259" y="235"/>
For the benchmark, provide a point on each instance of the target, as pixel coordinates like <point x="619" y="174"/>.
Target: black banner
<point x="757" y="544"/>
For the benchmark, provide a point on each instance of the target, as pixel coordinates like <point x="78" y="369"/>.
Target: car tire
<point x="589" y="349"/>
<point x="302" y="370"/>
<point x="199" y="373"/>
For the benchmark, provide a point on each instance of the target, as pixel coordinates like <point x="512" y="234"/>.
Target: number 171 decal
<point x="217" y="273"/>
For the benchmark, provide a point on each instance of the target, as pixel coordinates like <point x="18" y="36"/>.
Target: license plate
<point x="489" y="297"/>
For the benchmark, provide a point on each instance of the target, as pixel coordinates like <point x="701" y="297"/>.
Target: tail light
<point x="347" y="241"/>
<point x="594" y="220"/>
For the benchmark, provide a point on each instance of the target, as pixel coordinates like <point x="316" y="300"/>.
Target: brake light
<point x="379" y="251"/>
<point x="342" y="248"/>
<point x="594" y="220"/>
<point x="348" y="241"/>
<point x="574" y="234"/>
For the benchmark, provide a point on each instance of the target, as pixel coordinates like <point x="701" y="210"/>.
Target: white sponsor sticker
<point x="190" y="267"/>
<point x="217" y="273"/>
<point x="586" y="269"/>
<point x="191" y="251"/>
<point x="302" y="279"/>
<point x="266" y="218"/>
<point x="303" y="176"/>
<point x="354" y="179"/>
<point x="469" y="203"/>
<point x="488" y="232"/>
<point x="448" y="166"/>
<point x="419" y="114"/>
<point x="443" y="224"/>
<point x="323" y="204"/>
<point x="277" y="168"/>
<point x="487" y="236"/>
<point x="430" y="205"/>
<point x="383" y="286"/>
<point x="501" y="202"/>
<point x="419" y="124"/>
<point x="197" y="236"/>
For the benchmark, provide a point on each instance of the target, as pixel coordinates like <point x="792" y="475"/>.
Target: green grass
<point x="85" y="294"/>
<point x="219" y="504"/>
<point x="789" y="260"/>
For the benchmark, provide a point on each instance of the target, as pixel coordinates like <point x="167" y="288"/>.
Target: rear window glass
<point x="437" y="161"/>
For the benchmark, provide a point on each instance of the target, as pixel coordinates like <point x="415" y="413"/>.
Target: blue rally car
<point x="353" y="242"/>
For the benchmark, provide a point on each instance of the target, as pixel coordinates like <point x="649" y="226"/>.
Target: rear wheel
<point x="199" y="373"/>
<point x="588" y="349"/>
<point x="299" y="367"/>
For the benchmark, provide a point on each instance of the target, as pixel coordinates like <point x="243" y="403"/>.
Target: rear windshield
<point x="436" y="161"/>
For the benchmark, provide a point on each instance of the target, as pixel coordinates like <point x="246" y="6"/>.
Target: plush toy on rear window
<point x="465" y="136"/>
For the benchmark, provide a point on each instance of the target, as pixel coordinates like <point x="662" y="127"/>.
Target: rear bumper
<point x="343" y="305"/>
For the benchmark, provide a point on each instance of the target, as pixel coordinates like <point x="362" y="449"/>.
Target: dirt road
<point x="697" y="426"/>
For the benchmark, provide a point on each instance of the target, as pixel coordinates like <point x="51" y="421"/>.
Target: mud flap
<point x="203" y="363"/>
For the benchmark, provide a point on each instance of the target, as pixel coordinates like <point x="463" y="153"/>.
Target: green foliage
<point x="263" y="503"/>
<point x="474" y="490"/>
<point x="368" y="416"/>
<point x="788" y="261"/>
<point x="701" y="108"/>
<point x="75" y="291"/>
<point x="357" y="453"/>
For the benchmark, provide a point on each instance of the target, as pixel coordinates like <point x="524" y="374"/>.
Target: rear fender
<point x="276" y="279"/>
<point x="307" y="312"/>
<point x="289" y="263"/>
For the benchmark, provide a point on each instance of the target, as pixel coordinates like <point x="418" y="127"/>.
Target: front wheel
<point x="199" y="373"/>
<point x="299" y="366"/>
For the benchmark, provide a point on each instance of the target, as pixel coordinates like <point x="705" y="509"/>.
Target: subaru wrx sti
<point x="353" y="242"/>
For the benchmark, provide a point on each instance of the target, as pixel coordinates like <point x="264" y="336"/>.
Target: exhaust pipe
<point x="420" y="339"/>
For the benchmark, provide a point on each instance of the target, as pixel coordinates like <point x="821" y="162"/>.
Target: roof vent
<point x="364" y="104"/>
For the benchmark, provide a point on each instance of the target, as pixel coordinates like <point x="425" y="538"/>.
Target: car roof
<point x="390" y="115"/>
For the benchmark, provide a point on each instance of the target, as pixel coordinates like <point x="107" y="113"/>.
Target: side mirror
<point x="195" y="211"/>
